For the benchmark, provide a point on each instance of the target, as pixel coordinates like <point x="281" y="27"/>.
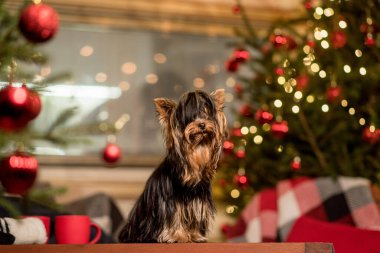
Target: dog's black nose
<point x="202" y="126"/>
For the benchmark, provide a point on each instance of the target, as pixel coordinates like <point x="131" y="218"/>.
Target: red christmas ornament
<point x="246" y="111"/>
<point x="236" y="132"/>
<point x="291" y="43"/>
<point x="18" y="172"/>
<point x="241" y="180"/>
<point x="369" y="41"/>
<point x="38" y="23"/>
<point x="231" y="65"/>
<point x="238" y="88"/>
<point x="296" y="163"/>
<point x="371" y="136"/>
<point x="302" y="82"/>
<point x="240" y="153"/>
<point x="333" y="94"/>
<point x="278" y="41"/>
<point x="111" y="153"/>
<point x="338" y="39"/>
<point x="33" y="107"/>
<point x="311" y="43"/>
<point x="228" y="146"/>
<point x="279" y="71"/>
<point x="241" y="55"/>
<point x="308" y="5"/>
<point x="263" y="116"/>
<point x="13" y="104"/>
<point x="222" y="182"/>
<point x="236" y="9"/>
<point x="11" y="125"/>
<point x="14" y="97"/>
<point x="280" y="129"/>
<point x="282" y="41"/>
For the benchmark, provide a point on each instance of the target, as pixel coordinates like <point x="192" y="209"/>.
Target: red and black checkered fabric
<point x="272" y="213"/>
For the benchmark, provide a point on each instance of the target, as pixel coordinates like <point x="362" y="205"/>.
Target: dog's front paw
<point x="174" y="236"/>
<point x="196" y="237"/>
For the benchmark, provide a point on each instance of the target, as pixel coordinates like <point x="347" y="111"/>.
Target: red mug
<point x="45" y="220"/>
<point x="75" y="229"/>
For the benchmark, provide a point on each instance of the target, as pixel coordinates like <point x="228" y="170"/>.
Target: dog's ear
<point x="164" y="106"/>
<point x="218" y="97"/>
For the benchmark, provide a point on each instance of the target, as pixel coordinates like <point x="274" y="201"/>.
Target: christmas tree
<point x="21" y="64"/>
<point x="308" y="95"/>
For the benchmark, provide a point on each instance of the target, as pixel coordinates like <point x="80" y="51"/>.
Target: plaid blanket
<point x="271" y="214"/>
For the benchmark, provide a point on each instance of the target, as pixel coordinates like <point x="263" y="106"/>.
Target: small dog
<point x="176" y="205"/>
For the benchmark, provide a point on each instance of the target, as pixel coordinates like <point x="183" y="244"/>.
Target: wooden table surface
<point x="173" y="248"/>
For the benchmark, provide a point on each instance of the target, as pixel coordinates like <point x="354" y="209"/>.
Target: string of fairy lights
<point x="322" y="35"/>
<point x="310" y="61"/>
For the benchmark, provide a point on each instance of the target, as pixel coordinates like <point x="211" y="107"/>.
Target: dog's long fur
<point x="176" y="204"/>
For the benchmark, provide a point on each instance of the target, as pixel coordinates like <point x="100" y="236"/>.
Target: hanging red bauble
<point x="236" y="131"/>
<point x="38" y="22"/>
<point x="238" y="88"/>
<point x="13" y="104"/>
<point x="371" y="135"/>
<point x="246" y="111"/>
<point x="33" y="106"/>
<point x="333" y="94"/>
<point x="308" y="5"/>
<point x="222" y="182"/>
<point x="302" y="82"/>
<point x="241" y="180"/>
<point x="111" y="153"/>
<point x="291" y="43"/>
<point x="240" y="153"/>
<point x="296" y="163"/>
<point x="241" y="55"/>
<point x="369" y="41"/>
<point x="263" y="116"/>
<point x="338" y="39"/>
<point x="14" y="98"/>
<point x="236" y="9"/>
<point x="228" y="146"/>
<point x="278" y="41"/>
<point x="18" y="172"/>
<point x="231" y="65"/>
<point x="311" y="43"/>
<point x="279" y="71"/>
<point x="11" y="124"/>
<point x="279" y="129"/>
<point x="283" y="41"/>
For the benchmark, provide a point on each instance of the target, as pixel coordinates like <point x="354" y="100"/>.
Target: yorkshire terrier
<point x="176" y="205"/>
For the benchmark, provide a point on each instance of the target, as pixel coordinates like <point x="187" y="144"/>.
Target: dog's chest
<point x="200" y="157"/>
<point x="194" y="211"/>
